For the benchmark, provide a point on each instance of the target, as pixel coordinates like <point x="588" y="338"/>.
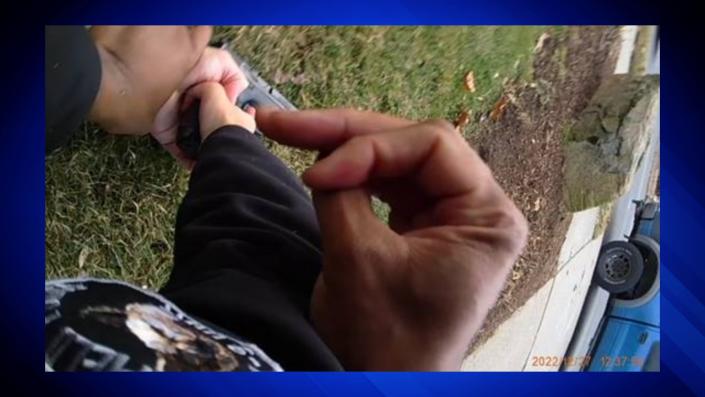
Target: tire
<point x="619" y="267"/>
<point x="649" y="284"/>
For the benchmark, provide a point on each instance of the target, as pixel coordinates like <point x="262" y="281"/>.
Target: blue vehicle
<point x="628" y="338"/>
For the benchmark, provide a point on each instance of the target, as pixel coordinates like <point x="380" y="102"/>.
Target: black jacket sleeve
<point x="247" y="250"/>
<point x="72" y="78"/>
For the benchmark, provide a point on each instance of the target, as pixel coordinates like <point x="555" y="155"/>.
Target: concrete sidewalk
<point x="543" y="327"/>
<point x="537" y="335"/>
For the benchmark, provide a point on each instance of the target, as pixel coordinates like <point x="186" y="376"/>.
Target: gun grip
<point x="188" y="134"/>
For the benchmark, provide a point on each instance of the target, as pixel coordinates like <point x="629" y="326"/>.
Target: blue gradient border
<point x="22" y="202"/>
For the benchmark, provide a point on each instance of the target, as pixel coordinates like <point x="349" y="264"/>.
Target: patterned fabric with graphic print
<point x="105" y="325"/>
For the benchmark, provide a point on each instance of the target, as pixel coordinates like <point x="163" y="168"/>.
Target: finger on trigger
<point x="251" y="110"/>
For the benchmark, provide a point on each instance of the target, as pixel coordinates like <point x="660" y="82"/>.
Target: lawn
<point x="111" y="201"/>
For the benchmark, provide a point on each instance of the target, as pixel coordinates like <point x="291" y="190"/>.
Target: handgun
<point x="259" y="93"/>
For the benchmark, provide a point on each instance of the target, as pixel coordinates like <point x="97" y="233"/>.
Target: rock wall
<point x="606" y="144"/>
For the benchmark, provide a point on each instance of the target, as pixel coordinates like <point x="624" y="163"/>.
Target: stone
<point x="605" y="145"/>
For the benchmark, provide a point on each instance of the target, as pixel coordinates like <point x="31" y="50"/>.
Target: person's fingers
<point x="164" y="131"/>
<point x="348" y="224"/>
<point x="210" y="94"/>
<point x="322" y="129"/>
<point x="202" y="72"/>
<point x="405" y="200"/>
<point x="186" y="101"/>
<point x="166" y="120"/>
<point x="219" y="66"/>
<point x="234" y="79"/>
<point x="216" y="110"/>
<point x="179" y="155"/>
<point x="215" y="107"/>
<point x="246" y="120"/>
<point x="431" y="154"/>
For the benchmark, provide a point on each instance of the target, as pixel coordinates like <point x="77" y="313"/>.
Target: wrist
<point x="411" y="360"/>
<point x="100" y="111"/>
<point x="227" y="121"/>
<point x="399" y="352"/>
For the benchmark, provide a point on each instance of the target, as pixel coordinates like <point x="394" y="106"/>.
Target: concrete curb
<point x="537" y="335"/>
<point x="544" y="325"/>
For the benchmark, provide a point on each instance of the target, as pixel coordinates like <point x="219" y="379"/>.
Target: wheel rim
<point x="617" y="267"/>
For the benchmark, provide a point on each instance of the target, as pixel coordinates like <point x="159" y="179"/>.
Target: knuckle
<point x="444" y="133"/>
<point x="441" y="126"/>
<point x="346" y="111"/>
<point x="515" y="228"/>
<point x="361" y="142"/>
<point x="364" y="257"/>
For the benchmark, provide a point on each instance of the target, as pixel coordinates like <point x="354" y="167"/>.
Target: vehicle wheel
<point x="619" y="267"/>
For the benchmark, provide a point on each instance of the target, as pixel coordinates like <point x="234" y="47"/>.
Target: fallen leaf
<point x="281" y="78"/>
<point x="516" y="275"/>
<point x="540" y="42"/>
<point x="82" y="257"/>
<point x="299" y="79"/>
<point x="462" y="120"/>
<point x="499" y="108"/>
<point x="470" y="81"/>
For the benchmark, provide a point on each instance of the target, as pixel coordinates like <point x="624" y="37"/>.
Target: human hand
<point x="411" y="295"/>
<point x="215" y="65"/>
<point x="216" y="109"/>
<point x="141" y="67"/>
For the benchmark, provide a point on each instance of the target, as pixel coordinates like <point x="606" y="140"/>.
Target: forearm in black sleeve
<point x="247" y="250"/>
<point x="72" y="79"/>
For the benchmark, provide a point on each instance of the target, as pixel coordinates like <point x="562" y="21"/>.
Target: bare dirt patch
<point x="523" y="148"/>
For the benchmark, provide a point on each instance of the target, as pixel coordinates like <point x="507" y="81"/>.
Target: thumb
<point x="208" y="92"/>
<point x="348" y="224"/>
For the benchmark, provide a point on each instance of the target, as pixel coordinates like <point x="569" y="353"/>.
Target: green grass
<point x="111" y="201"/>
<point x="110" y="208"/>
